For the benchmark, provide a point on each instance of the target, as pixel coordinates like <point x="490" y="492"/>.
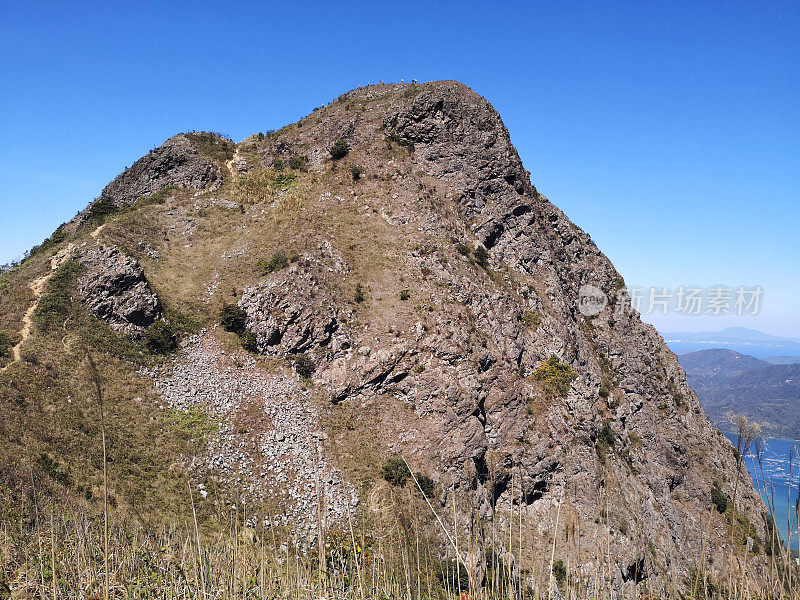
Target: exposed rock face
<point x="627" y="449"/>
<point x="293" y="311"/>
<point x="182" y="160"/>
<point x="178" y="161"/>
<point x="456" y="136"/>
<point x="115" y="290"/>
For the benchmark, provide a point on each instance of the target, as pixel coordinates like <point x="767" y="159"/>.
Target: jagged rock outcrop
<point x="191" y="160"/>
<point x="456" y="137"/>
<point x="627" y="447"/>
<point x="114" y="289"/>
<point x="181" y="161"/>
<point x="293" y="311"/>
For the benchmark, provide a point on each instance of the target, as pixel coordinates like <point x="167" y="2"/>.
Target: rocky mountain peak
<point x="388" y="255"/>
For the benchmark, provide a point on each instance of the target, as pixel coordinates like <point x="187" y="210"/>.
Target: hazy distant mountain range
<point x="772" y="348"/>
<point x="728" y="381"/>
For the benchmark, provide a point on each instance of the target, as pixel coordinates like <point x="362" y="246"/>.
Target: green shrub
<point x="304" y="366"/>
<point x="481" y="256"/>
<point x="555" y="376"/>
<point x="193" y="423"/>
<point x="216" y="146"/>
<point x="500" y="573"/>
<point x="99" y="211"/>
<point x="5" y="268"/>
<point x="249" y="341"/>
<point x="405" y="294"/>
<point x="395" y="471"/>
<point x="160" y="338"/>
<point x="706" y="586"/>
<point x="277" y="164"/>
<point x="299" y="163"/>
<point x="260" y="185"/>
<point x="359" y="295"/>
<point x="283" y="181"/>
<point x="756" y="548"/>
<point x="605" y="439"/>
<point x="355" y="172"/>
<point x="159" y="197"/>
<point x="677" y="396"/>
<point x="339" y="149"/>
<point x="51" y="468"/>
<point x="772" y="538"/>
<point x="463" y="249"/>
<point x="412" y="91"/>
<point x="532" y="319"/>
<point x="276" y="262"/>
<point x="606" y="434"/>
<point x="609" y="378"/>
<point x="559" y="571"/>
<point x="719" y="499"/>
<point x="426" y="484"/>
<point x="58" y="236"/>
<point x="452" y="575"/>
<point x="404" y="142"/>
<point x="742" y="528"/>
<point x="56" y="304"/>
<point x="232" y="318"/>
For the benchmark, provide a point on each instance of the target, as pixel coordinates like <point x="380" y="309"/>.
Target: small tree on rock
<point x="339" y="149"/>
<point x="304" y="366"/>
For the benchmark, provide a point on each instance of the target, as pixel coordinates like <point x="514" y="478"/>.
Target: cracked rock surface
<point x="115" y="289"/>
<point x="177" y="162"/>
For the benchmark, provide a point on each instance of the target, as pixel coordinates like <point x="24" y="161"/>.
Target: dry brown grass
<point x="396" y="552"/>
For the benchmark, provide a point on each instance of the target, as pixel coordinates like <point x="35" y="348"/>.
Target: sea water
<point x="780" y="481"/>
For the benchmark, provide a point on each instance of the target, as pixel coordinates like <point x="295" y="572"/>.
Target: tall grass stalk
<point x="393" y="549"/>
<point x="96" y="380"/>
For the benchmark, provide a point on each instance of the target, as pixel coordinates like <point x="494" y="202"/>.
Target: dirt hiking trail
<point x="38" y="287"/>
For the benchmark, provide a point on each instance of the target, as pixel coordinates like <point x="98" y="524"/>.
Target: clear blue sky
<point x="669" y="131"/>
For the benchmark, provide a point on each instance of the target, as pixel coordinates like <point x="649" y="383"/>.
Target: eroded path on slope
<point x="231" y="164"/>
<point x="38" y="287"/>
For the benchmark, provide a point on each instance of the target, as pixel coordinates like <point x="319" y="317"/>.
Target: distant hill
<point x="783" y="360"/>
<point x="728" y="381"/>
<point x="739" y="339"/>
